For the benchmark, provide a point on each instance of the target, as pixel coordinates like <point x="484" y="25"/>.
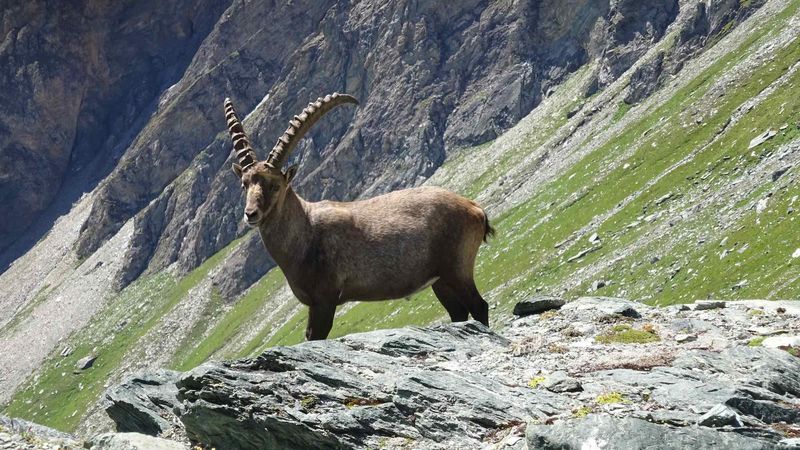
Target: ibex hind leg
<point x="476" y="304"/>
<point x="449" y="298"/>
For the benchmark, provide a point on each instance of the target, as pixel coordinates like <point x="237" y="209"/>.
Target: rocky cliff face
<point x="431" y="78"/>
<point x="77" y="81"/>
<point x="598" y="373"/>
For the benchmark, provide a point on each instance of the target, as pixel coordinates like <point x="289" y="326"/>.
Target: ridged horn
<point x="303" y="122"/>
<point x="244" y="153"/>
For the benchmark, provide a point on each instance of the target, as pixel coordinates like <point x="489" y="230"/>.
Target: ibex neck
<point x="285" y="232"/>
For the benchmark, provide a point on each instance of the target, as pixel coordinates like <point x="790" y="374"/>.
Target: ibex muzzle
<point x="386" y="247"/>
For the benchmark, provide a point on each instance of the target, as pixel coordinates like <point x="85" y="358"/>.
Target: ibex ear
<point x="237" y="169"/>
<point x="290" y="173"/>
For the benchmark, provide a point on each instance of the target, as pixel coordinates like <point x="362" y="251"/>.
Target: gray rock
<point x="582" y="253"/>
<point x="704" y="305"/>
<point x="537" y="305"/>
<point x="767" y="411"/>
<point x="85" y="362"/>
<point x="141" y="403"/>
<point x="82" y="41"/>
<point x="681" y="338"/>
<point x="720" y="416"/>
<point x="598" y="284"/>
<point x="133" y="441"/>
<point x="599" y="306"/>
<point x="779" y="173"/>
<point x="361" y="385"/>
<point x="338" y="393"/>
<point x="767" y="370"/>
<point x="761" y="138"/>
<point x="782" y="341"/>
<point x="645" y="80"/>
<point x="561" y="382"/>
<point x="602" y="431"/>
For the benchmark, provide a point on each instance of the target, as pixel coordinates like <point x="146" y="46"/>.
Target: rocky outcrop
<point x="624" y="40"/>
<point x="142" y="403"/>
<point x="602" y="372"/>
<point x="705" y="22"/>
<point x="243" y="268"/>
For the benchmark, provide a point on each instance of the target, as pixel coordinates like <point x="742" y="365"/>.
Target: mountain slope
<point x="641" y="136"/>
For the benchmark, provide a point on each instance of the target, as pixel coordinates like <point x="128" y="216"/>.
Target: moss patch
<point x="535" y="382"/>
<point x="626" y="334"/>
<point x="582" y="411"/>
<point x="610" y="398"/>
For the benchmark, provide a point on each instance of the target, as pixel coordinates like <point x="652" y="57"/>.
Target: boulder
<point x="720" y="416"/>
<point x="561" y="382"/>
<point x="537" y="305"/>
<point x="604" y="306"/>
<point x="143" y="402"/>
<point x="85" y="362"/>
<point x="704" y="305"/>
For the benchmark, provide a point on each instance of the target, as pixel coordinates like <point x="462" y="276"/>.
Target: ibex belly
<point x="384" y="291"/>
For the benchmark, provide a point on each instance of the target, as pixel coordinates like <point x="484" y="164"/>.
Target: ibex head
<point x="264" y="182"/>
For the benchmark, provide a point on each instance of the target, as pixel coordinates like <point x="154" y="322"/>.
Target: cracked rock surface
<point x="463" y="386"/>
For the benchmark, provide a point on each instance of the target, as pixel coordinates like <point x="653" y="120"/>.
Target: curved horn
<point x="244" y="153"/>
<point x="303" y="122"/>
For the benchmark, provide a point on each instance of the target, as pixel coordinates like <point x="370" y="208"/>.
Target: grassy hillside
<point x="681" y="205"/>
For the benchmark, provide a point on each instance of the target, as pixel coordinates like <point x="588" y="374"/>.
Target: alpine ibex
<point x="387" y="247"/>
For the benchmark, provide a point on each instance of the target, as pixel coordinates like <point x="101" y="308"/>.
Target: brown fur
<point x="386" y="247"/>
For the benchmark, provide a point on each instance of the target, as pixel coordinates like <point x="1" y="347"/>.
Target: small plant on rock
<point x="626" y="334"/>
<point x="535" y="381"/>
<point x="309" y="402"/>
<point x="583" y="411"/>
<point x="547" y="315"/>
<point x="555" y="347"/>
<point x="353" y="402"/>
<point x="756" y="341"/>
<point x="610" y="398"/>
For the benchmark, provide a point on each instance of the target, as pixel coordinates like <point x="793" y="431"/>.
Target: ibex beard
<point x="386" y="247"/>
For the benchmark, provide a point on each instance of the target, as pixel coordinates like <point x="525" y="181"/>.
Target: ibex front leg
<point x="320" y="320"/>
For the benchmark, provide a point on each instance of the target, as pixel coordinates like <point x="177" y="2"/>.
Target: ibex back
<point x="387" y="247"/>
